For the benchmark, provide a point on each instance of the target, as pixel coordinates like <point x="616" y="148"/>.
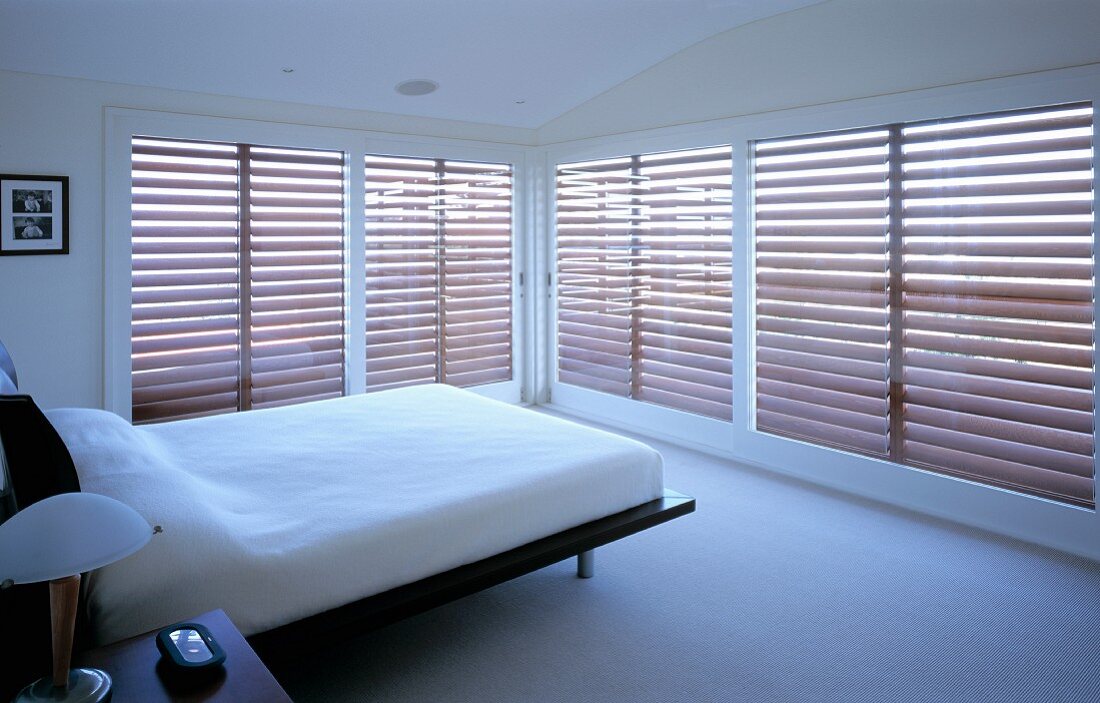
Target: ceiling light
<point x="416" y="86"/>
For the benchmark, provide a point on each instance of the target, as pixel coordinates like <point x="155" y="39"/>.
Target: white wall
<point x="841" y="50"/>
<point x="51" y="307"/>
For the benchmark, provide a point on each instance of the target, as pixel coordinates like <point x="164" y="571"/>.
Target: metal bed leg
<point x="586" y="564"/>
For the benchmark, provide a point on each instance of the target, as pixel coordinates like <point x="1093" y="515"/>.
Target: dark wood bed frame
<point x="404" y="601"/>
<point x="324" y="628"/>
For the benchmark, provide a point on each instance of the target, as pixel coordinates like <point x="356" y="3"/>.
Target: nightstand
<point x="133" y="664"/>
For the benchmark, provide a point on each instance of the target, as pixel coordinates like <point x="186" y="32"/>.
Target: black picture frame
<point x="34" y="215"/>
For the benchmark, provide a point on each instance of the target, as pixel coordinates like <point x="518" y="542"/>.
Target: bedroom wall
<point x="51" y="307"/>
<point x="841" y="50"/>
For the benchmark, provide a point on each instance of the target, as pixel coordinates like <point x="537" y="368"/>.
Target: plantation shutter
<point x="475" y="211"/>
<point x="644" y="278"/>
<point x="997" y="279"/>
<point x="402" y="278"/>
<point x="595" y="297"/>
<point x="821" y="288"/>
<point x="972" y="245"/>
<point x="439" y="272"/>
<point x="185" y="283"/>
<point x="237" y="288"/>
<point x="296" y="258"/>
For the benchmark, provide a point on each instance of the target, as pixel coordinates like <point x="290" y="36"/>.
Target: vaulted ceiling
<point x="509" y="62"/>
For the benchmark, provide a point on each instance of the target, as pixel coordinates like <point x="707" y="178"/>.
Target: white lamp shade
<point x="68" y="534"/>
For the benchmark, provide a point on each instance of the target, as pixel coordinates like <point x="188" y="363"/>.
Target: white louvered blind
<point x="644" y="246"/>
<point x="237" y="277"/>
<point x="439" y="272"/>
<point x="989" y="295"/>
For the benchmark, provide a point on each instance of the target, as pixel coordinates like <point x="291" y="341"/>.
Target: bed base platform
<point x="373" y="612"/>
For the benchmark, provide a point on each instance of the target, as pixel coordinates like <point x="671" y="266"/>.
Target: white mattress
<point x="274" y="515"/>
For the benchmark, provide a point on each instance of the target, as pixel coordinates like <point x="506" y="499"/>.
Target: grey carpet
<point x="772" y="591"/>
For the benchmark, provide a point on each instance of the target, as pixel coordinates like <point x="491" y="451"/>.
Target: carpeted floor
<point x="772" y="591"/>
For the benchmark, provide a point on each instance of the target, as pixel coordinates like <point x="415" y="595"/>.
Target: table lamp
<point x="55" y="540"/>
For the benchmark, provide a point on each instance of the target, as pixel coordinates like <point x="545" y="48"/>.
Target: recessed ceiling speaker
<point x="417" y="86"/>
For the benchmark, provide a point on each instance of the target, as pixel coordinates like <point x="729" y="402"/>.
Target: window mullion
<point x="895" y="239"/>
<point x="635" y="290"/>
<point x="440" y="273"/>
<point x="244" y="280"/>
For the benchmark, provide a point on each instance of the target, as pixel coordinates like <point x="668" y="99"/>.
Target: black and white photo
<point x="32" y="201"/>
<point x="32" y="228"/>
<point x="34" y="215"/>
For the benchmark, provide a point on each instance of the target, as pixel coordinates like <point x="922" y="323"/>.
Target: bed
<point x="341" y="515"/>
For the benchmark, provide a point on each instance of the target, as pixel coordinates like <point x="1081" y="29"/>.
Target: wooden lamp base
<point x="66" y="685"/>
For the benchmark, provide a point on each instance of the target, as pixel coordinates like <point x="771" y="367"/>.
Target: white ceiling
<point x="485" y="54"/>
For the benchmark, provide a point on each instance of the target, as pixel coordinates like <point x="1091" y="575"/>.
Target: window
<point x="438" y="272"/>
<point x="925" y="295"/>
<point x="644" y="245"/>
<point x="238" y="277"/>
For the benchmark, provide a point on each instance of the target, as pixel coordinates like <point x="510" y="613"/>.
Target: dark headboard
<point x="9" y="380"/>
<point x="9" y="385"/>
<point x="38" y="463"/>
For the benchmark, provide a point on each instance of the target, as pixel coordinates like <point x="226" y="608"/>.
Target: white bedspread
<point x="274" y="515"/>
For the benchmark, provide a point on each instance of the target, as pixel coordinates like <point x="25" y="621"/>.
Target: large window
<point x="238" y="277"/>
<point x="438" y="272"/>
<point x="644" y="247"/>
<point x="925" y="294"/>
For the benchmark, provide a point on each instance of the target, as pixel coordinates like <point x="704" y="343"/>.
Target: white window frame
<point x="122" y="124"/>
<point x="1033" y="518"/>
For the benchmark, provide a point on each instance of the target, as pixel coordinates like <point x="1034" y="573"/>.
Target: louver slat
<point x="644" y="296"/>
<point x="439" y="272"/>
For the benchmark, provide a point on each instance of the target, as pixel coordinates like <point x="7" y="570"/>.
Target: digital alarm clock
<point x="188" y="648"/>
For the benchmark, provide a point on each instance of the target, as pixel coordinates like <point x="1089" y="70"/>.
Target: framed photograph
<point x="34" y="215"/>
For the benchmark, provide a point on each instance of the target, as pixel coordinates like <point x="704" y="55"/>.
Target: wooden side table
<point x="134" y="664"/>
